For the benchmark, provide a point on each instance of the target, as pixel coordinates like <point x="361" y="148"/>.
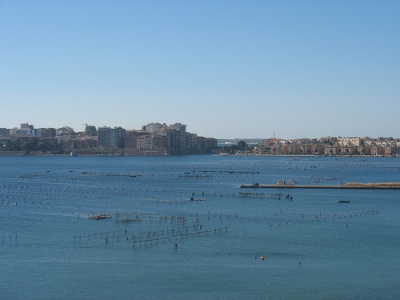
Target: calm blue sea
<point x="156" y="244"/>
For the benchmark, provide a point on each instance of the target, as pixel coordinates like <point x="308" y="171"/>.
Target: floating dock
<point x="284" y="185"/>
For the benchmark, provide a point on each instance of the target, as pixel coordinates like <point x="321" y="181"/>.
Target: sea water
<point x="230" y="244"/>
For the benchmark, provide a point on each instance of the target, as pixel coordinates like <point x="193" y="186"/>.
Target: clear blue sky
<point x="226" y="69"/>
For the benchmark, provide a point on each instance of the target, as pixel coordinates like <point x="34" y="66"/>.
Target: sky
<point x="226" y="69"/>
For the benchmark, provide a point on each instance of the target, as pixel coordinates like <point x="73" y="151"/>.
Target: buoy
<point x="261" y="257"/>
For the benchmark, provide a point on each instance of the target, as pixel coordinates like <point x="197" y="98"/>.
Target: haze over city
<point x="227" y="69"/>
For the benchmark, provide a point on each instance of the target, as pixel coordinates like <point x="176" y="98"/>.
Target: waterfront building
<point x="86" y="143"/>
<point x="4" y="136"/>
<point x="130" y="139"/>
<point x="155" y="128"/>
<point x="30" y="129"/>
<point x="329" y="150"/>
<point x="111" y="138"/>
<point x="66" y="130"/>
<point x="285" y="149"/>
<point x="25" y="130"/>
<point x="4" y="132"/>
<point x="199" y="142"/>
<point x="179" y="137"/>
<point x="45" y="132"/>
<point x="189" y="139"/>
<point x="173" y="139"/>
<point x="145" y="142"/>
<point x="90" y="130"/>
<point x="160" y="141"/>
<point x="388" y="150"/>
<point x="351" y="141"/>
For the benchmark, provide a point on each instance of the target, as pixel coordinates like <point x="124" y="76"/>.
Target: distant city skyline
<point x="148" y="128"/>
<point x="173" y="139"/>
<point x="227" y="69"/>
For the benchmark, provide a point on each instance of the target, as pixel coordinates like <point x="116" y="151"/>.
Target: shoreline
<point x="22" y="153"/>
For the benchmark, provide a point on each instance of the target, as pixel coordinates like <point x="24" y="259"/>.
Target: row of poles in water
<point x="10" y="238"/>
<point x="149" y="236"/>
<point x="316" y="217"/>
<point x="144" y="237"/>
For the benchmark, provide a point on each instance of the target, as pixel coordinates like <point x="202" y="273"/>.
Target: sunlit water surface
<point x="159" y="245"/>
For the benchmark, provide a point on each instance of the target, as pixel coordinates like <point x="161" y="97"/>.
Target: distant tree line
<point x="241" y="146"/>
<point x="34" y="145"/>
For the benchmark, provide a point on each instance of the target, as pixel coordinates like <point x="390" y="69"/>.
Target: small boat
<point x="197" y="199"/>
<point x="343" y="201"/>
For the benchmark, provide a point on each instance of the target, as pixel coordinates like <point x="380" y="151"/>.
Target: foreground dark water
<point x="158" y="244"/>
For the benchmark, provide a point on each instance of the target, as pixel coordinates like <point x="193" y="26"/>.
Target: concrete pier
<point x="375" y="186"/>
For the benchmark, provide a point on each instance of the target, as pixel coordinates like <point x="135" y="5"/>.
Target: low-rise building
<point x="350" y="141"/>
